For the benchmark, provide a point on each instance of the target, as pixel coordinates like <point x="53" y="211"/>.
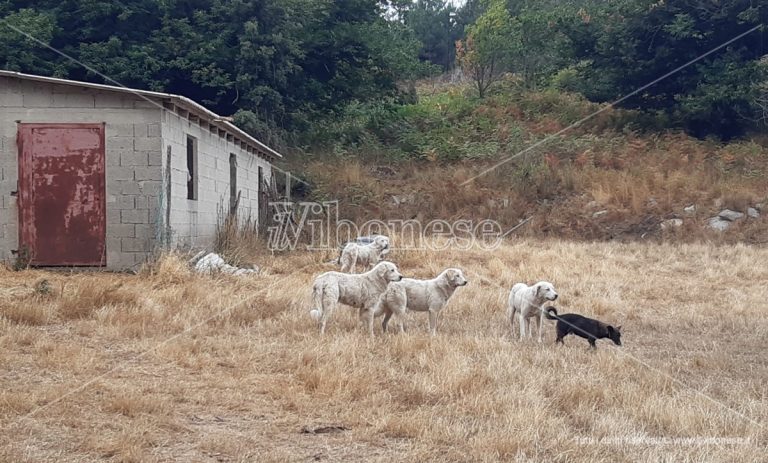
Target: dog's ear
<point x="382" y="269"/>
<point x="610" y="328"/>
<point x="538" y="290"/>
<point x="618" y="328"/>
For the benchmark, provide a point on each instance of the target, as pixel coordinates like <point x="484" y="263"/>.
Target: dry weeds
<point x="638" y="181"/>
<point x="250" y="375"/>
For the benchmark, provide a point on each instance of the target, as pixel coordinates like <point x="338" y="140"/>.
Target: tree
<point x="761" y="102"/>
<point x="434" y="25"/>
<point x="485" y="54"/>
<point x="285" y="61"/>
<point x="538" y="46"/>
<point x="468" y="13"/>
<point x="636" y="43"/>
<point x="20" y="52"/>
<point x="341" y="61"/>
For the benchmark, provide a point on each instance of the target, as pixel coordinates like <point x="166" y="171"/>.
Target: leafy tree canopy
<point x="282" y="60"/>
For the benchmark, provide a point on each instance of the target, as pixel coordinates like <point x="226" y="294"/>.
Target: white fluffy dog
<point x="363" y="254"/>
<point x="420" y="296"/>
<point x="529" y="301"/>
<point x="361" y="291"/>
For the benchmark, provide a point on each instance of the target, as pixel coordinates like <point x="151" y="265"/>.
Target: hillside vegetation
<point x="614" y="175"/>
<point x="283" y="67"/>
<point x="337" y="84"/>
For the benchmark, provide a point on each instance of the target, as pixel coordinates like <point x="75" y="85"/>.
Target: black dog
<point x="587" y="328"/>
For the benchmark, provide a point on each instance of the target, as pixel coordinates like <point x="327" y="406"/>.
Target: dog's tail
<point x="317" y="304"/>
<point x="551" y="310"/>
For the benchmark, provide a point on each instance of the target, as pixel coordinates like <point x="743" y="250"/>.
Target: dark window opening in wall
<point x="262" y="202"/>
<point x="191" y="168"/>
<point x="232" y="183"/>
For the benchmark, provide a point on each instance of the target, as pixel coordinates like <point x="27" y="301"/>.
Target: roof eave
<point x="210" y="116"/>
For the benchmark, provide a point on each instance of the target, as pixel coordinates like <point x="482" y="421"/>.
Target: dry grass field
<point x="169" y="366"/>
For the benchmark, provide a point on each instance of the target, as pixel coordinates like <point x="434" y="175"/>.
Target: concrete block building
<point x="102" y="176"/>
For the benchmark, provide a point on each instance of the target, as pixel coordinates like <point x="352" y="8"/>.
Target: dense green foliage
<point x="300" y="66"/>
<point x="282" y="61"/>
<point x="437" y="26"/>
<point x="676" y="58"/>
<point x="638" y="42"/>
<point x="455" y="124"/>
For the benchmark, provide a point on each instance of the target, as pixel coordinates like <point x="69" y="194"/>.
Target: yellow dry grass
<point x="170" y="366"/>
<point x="638" y="181"/>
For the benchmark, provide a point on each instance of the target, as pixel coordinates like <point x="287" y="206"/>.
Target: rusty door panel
<point x="62" y="210"/>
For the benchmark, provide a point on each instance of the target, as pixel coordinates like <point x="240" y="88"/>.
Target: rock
<point x="730" y="215"/>
<point x="652" y="202"/>
<point x="690" y="209"/>
<point x="599" y="214"/>
<point x="671" y="223"/>
<point x="721" y="225"/>
<point x="193" y="261"/>
<point x="403" y="199"/>
<point x="752" y="212"/>
<point x="501" y="203"/>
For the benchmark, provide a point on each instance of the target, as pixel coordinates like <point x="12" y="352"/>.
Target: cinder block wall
<point x="193" y="222"/>
<point x="133" y="159"/>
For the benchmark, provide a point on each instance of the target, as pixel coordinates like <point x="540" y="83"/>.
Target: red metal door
<point x="62" y="219"/>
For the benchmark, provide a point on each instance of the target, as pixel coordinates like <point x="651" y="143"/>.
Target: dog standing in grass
<point x="528" y="301"/>
<point x="419" y="296"/>
<point x="365" y="254"/>
<point x="361" y="291"/>
<point x="587" y="328"/>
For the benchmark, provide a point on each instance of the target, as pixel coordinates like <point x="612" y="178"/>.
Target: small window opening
<point x="191" y="168"/>
<point x="233" y="183"/>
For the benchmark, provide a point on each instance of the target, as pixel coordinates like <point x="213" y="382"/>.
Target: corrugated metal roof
<point x="181" y="101"/>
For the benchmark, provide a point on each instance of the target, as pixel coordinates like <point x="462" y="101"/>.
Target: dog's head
<point x="545" y="291"/>
<point x="614" y="334"/>
<point x="381" y="242"/>
<point x="388" y="271"/>
<point x="454" y="277"/>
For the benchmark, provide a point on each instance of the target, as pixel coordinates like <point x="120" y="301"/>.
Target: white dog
<point x="361" y="291"/>
<point x="364" y="254"/>
<point x="420" y="296"/>
<point x="528" y="301"/>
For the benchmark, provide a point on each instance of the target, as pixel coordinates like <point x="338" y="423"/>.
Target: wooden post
<point x="287" y="186"/>
<point x="168" y="201"/>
